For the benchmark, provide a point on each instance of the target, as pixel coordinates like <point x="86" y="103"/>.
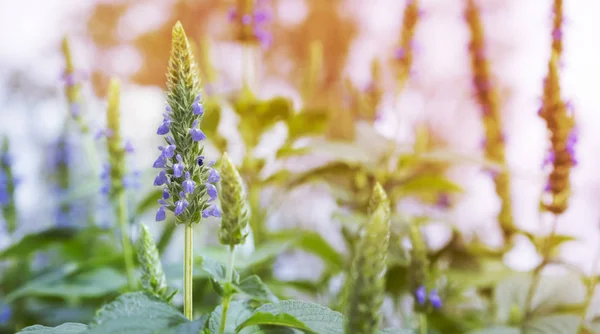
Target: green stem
<point x="125" y="242"/>
<point x="423" y="323"/>
<point x="188" y="266"/>
<point x="228" y="294"/>
<point x="593" y="282"/>
<point x="535" y="280"/>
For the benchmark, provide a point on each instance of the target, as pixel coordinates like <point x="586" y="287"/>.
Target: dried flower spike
<point x="487" y="97"/>
<point x="367" y="276"/>
<point x="404" y="53"/>
<point x="153" y="276"/>
<point x="236" y="214"/>
<point x="189" y="186"/>
<point x="563" y="137"/>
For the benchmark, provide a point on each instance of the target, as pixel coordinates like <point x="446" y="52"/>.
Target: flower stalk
<point x="188" y="179"/>
<point x="7" y="188"/>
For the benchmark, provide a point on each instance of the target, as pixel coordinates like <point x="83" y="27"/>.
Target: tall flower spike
<point x="563" y="136"/>
<point x="367" y="276"/>
<point x="7" y="188"/>
<point x="185" y="181"/>
<point x="404" y="53"/>
<point x="236" y="213"/>
<point x="72" y="85"/>
<point x="487" y="97"/>
<point x="114" y="143"/>
<point x="153" y="276"/>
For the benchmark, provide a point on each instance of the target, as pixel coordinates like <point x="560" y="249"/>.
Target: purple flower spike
<point x="435" y="299"/>
<point x="181" y="205"/>
<point x="421" y="294"/>
<point x="188" y="185"/>
<point x="161" y="178"/>
<point x="197" y="134"/>
<point x="178" y="167"/>
<point x="165" y="193"/>
<point x="211" y="191"/>
<point x="161" y="214"/>
<point x="211" y="211"/>
<point x="160" y="162"/>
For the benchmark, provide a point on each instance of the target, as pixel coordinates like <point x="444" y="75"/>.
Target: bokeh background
<point x="131" y="40"/>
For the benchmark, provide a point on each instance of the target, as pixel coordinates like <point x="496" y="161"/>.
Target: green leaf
<point x="312" y="242"/>
<point x="96" y="283"/>
<point x="217" y="270"/>
<point x="396" y="331"/>
<point x="40" y="240"/>
<point x="553" y="293"/>
<point x="314" y="317"/>
<point x="192" y="327"/>
<point x="498" y="330"/>
<point x="282" y="319"/>
<point x="237" y="313"/>
<point x="425" y="183"/>
<point x="254" y="288"/>
<point x="67" y="328"/>
<point x="138" y="312"/>
<point x="554" y="324"/>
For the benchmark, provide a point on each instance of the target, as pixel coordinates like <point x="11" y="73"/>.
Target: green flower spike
<point x="153" y="276"/>
<point x="236" y="215"/>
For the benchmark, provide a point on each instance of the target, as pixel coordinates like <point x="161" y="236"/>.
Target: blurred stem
<point x="423" y="323"/>
<point x="188" y="265"/>
<point x="125" y="242"/>
<point x="228" y="292"/>
<point x="535" y="279"/>
<point x="591" y="289"/>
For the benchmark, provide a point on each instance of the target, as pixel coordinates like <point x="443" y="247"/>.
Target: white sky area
<point x="518" y="38"/>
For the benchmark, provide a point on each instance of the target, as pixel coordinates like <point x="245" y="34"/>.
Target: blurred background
<point x="130" y="40"/>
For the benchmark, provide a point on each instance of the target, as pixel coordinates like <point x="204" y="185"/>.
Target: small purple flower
<point x="129" y="146"/>
<point x="178" y="167"/>
<point x="247" y="19"/>
<point x="435" y="299"/>
<point x="548" y="187"/>
<point x="168" y="151"/>
<point x="197" y="134"/>
<point x="197" y="107"/>
<point x="161" y="214"/>
<point x="165" y="193"/>
<point x="164" y="127"/>
<point x="264" y="37"/>
<point x="5" y="314"/>
<point x="557" y="34"/>
<point x="161" y="178"/>
<point x="399" y="54"/>
<point x="181" y="205"/>
<point x="168" y="109"/>
<point x="188" y="185"/>
<point x="69" y="79"/>
<point x="262" y="16"/>
<point x="213" y="176"/>
<point x="132" y="180"/>
<point x="161" y="161"/>
<point x="212" y="210"/>
<point x="200" y="160"/>
<point x="231" y="14"/>
<point x="549" y="159"/>
<point x="103" y="133"/>
<point x="74" y="109"/>
<point x="211" y="190"/>
<point x="421" y="294"/>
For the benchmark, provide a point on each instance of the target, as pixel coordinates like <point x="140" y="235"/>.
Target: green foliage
<point x="66" y="328"/>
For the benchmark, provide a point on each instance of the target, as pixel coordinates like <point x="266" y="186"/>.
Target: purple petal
<point x="161" y="214"/>
<point x="211" y="190"/>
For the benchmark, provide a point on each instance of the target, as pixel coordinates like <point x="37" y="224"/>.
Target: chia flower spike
<point x="236" y="212"/>
<point x="563" y="137"/>
<point x="188" y="184"/>
<point x="405" y="51"/>
<point x="153" y="276"/>
<point x="418" y="268"/>
<point x="72" y="85"/>
<point x="367" y="276"/>
<point x="8" y="183"/>
<point x="488" y="100"/>
<point x="115" y="169"/>
<point x="250" y="18"/>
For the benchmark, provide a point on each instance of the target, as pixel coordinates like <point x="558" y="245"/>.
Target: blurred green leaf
<point x="498" y="330"/>
<point x="66" y="328"/>
<point x="96" y="283"/>
<point x="148" y="202"/>
<point x="551" y="243"/>
<point x="216" y="270"/>
<point x="306" y="316"/>
<point x="425" y="183"/>
<point x="554" y="324"/>
<point x="312" y="242"/>
<point x="397" y="331"/>
<point x="32" y="243"/>
<point x="307" y="123"/>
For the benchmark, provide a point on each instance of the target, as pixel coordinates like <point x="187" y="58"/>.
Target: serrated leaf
<point x="254" y="288"/>
<point x="237" y="313"/>
<point x="66" y="328"/>
<point x="138" y="312"/>
<point x="192" y="327"/>
<point x="40" y="240"/>
<point x="554" y="324"/>
<point x="316" y="318"/>
<point x="217" y="270"/>
<point x="269" y="319"/>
